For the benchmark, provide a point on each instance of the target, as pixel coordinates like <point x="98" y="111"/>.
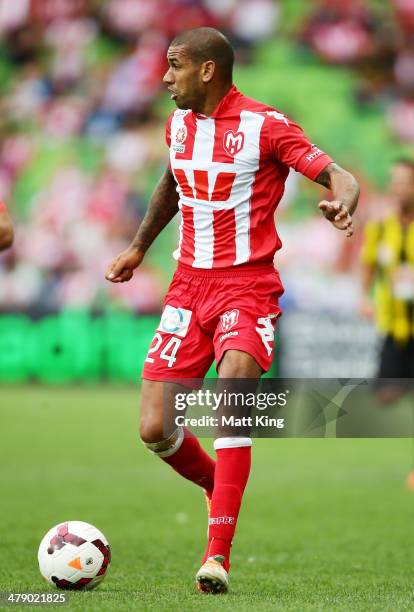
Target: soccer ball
<point x="74" y="555"/>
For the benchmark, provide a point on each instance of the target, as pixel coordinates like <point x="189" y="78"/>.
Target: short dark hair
<point x="208" y="44"/>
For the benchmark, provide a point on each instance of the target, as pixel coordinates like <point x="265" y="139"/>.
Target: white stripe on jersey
<point x="203" y="143"/>
<point x="176" y="123"/>
<point x="203" y="238"/>
<point x="203" y="215"/>
<point x="251" y="125"/>
<point x="177" y="252"/>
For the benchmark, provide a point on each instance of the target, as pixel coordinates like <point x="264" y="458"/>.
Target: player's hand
<point x="337" y="213"/>
<point x="121" y="269"/>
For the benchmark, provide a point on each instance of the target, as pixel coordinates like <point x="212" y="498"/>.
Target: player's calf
<point x="184" y="453"/>
<point x="176" y="446"/>
<point x="231" y="475"/>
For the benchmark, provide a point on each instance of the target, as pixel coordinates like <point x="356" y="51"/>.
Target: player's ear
<point x="207" y="71"/>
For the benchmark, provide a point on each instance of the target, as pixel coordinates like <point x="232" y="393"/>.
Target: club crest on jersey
<point x="233" y="142"/>
<point x="180" y="138"/>
<point x="229" y="319"/>
<point x="181" y="135"/>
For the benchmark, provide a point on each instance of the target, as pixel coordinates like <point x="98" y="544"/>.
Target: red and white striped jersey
<point x="231" y="170"/>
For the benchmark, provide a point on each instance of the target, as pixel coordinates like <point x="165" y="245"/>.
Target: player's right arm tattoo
<point x="343" y="185"/>
<point x="162" y="207"/>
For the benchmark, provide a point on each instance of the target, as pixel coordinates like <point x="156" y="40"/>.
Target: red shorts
<point x="207" y="312"/>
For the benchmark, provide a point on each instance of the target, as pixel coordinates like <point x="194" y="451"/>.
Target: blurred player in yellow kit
<point x="388" y="287"/>
<point x="388" y="283"/>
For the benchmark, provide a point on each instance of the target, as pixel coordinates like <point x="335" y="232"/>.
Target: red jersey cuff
<point x="2" y="207"/>
<point x="312" y="168"/>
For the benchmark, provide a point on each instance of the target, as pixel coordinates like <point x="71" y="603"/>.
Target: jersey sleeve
<point x="2" y="207"/>
<point x="289" y="145"/>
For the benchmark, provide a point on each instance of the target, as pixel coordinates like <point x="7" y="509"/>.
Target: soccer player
<point x="388" y="263"/>
<point x="6" y="228"/>
<point x="229" y="159"/>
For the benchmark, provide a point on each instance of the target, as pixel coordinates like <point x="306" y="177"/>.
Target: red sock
<point x="231" y="475"/>
<point x="193" y="463"/>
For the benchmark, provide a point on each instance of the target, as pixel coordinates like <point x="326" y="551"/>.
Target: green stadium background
<point x="60" y="320"/>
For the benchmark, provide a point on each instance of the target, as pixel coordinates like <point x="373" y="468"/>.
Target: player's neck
<point x="213" y="99"/>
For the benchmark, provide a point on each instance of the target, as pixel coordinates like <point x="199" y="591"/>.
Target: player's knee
<point x="152" y="422"/>
<point x="151" y="432"/>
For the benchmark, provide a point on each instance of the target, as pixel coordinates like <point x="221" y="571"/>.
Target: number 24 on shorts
<point x="168" y="352"/>
<point x="173" y="321"/>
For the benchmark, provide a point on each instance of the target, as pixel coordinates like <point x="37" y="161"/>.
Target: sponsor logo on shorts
<point x="228" y="335"/>
<point x="229" y="319"/>
<point x="175" y="321"/>
<point x="221" y="520"/>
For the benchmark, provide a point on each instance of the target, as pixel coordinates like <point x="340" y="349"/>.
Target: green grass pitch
<point x="326" y="524"/>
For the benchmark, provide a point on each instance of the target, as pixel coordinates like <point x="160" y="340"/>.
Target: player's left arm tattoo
<point x="343" y="185"/>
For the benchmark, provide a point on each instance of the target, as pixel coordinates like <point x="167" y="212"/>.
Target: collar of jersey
<point x="224" y="103"/>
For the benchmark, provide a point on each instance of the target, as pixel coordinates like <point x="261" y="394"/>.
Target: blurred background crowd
<point x="82" y="137"/>
<point x="82" y="120"/>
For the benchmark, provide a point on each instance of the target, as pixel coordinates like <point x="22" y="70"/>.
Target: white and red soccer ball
<point x="74" y="555"/>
